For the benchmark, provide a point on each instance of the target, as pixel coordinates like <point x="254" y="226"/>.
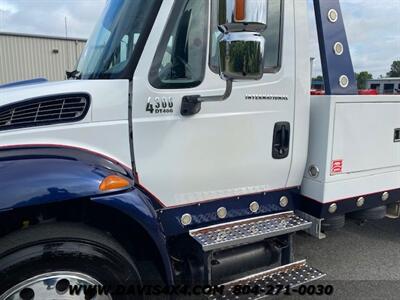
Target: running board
<point x="288" y="276"/>
<point x="248" y="231"/>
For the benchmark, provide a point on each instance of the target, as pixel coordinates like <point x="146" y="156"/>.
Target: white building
<point x="385" y="85"/>
<point x="24" y="56"/>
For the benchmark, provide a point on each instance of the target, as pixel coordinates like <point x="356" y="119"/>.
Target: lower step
<point x="248" y="231"/>
<point x="267" y="283"/>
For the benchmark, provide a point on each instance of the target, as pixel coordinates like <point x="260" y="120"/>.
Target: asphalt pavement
<point x="361" y="261"/>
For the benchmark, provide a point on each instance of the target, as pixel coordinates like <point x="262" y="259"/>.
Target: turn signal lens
<point x="240" y="13"/>
<point x="113" y="182"/>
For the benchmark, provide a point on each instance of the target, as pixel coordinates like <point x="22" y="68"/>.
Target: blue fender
<point x="42" y="174"/>
<point x="37" y="175"/>
<point x="138" y="207"/>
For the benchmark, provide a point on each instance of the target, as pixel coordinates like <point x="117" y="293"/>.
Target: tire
<point x="334" y="223"/>
<point x="66" y="248"/>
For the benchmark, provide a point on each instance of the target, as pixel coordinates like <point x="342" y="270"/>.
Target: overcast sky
<point x="373" y="26"/>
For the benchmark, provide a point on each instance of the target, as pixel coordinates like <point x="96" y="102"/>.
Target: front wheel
<point x="64" y="261"/>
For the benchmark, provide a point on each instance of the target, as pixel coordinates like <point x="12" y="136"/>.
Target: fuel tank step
<point x="267" y="283"/>
<point x="248" y="231"/>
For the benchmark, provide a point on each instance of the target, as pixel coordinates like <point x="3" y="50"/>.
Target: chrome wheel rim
<point x="55" y="286"/>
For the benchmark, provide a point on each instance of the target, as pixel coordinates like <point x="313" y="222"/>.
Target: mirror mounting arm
<point x="191" y="105"/>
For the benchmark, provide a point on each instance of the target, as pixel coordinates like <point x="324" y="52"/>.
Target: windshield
<point x="116" y="44"/>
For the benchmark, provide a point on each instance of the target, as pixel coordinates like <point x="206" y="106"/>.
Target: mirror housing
<point x="241" y="47"/>
<point x="241" y="56"/>
<point x="242" y="15"/>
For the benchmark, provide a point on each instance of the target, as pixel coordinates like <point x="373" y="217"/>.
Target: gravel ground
<point x="361" y="261"/>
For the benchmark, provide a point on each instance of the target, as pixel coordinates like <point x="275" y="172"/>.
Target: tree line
<point x="364" y="76"/>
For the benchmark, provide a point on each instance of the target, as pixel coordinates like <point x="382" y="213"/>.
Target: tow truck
<point x="186" y="149"/>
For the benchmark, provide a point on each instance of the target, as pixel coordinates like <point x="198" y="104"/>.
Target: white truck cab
<point x="186" y="148"/>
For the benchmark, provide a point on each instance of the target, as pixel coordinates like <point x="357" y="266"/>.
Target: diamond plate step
<point x="248" y="231"/>
<point x="292" y="275"/>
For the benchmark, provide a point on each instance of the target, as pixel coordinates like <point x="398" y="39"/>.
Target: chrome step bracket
<point x="248" y="231"/>
<point x="291" y="275"/>
<point x="316" y="228"/>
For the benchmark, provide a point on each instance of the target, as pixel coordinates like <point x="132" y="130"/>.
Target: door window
<point x="181" y="55"/>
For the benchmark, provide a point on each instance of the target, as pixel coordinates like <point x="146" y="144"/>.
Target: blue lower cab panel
<point x="345" y="206"/>
<point x="205" y="214"/>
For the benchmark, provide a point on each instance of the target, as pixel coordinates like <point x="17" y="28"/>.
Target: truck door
<point x="237" y="147"/>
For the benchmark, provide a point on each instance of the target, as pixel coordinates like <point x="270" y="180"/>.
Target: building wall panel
<point x="25" y="57"/>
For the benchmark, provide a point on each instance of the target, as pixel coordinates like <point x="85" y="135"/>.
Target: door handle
<point x="281" y="140"/>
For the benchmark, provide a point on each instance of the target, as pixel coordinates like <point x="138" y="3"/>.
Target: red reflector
<point x="337" y="166"/>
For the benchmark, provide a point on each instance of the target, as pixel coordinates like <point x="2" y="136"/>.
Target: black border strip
<point x="345" y="206"/>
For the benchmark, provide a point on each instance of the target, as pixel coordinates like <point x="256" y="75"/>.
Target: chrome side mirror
<point x="241" y="56"/>
<point x="241" y="47"/>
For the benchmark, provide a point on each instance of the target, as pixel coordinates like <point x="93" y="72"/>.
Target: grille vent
<point x="44" y="111"/>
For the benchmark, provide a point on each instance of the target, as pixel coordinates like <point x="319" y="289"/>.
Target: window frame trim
<point x="266" y="70"/>
<point x="173" y="18"/>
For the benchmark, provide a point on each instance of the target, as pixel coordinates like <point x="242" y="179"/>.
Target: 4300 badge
<point x="160" y="105"/>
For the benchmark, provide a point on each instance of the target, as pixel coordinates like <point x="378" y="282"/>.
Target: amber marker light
<point x="113" y="182"/>
<point x="240" y="12"/>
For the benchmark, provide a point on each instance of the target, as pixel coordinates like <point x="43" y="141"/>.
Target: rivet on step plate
<point x="222" y="212"/>
<point x="254" y="207"/>
<point x="332" y="208"/>
<point x="360" y="201"/>
<point x="385" y="196"/>
<point x="284" y="201"/>
<point x="333" y="15"/>
<point x="186" y="219"/>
